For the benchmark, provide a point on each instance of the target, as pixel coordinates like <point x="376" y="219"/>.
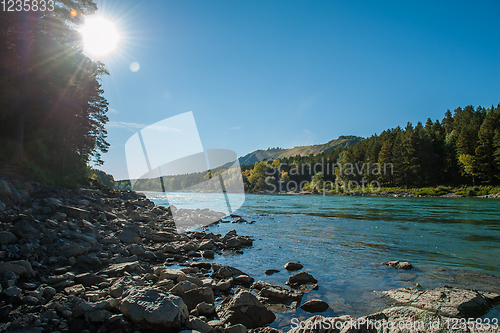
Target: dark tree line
<point x="52" y="109"/>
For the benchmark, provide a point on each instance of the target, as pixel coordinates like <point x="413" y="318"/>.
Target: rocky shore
<point x="100" y="260"/>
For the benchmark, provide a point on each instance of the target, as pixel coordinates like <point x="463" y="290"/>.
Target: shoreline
<point x="385" y="194"/>
<point x="98" y="259"/>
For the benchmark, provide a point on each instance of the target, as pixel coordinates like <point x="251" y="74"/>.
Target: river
<point x="342" y="241"/>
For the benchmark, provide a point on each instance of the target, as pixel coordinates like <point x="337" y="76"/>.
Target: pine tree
<point x="484" y="154"/>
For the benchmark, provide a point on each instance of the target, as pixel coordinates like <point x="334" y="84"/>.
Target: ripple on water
<point x="342" y="241"/>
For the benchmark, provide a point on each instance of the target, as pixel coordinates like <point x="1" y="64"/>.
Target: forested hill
<point x="462" y="149"/>
<point x="274" y="153"/>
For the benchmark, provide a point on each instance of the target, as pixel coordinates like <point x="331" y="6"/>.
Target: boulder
<point x="195" y="296"/>
<point x="130" y="234"/>
<point x="154" y="308"/>
<point x="20" y="267"/>
<point x="446" y="301"/>
<point x="136" y="249"/>
<point x="196" y="324"/>
<point x="118" y="269"/>
<point x="243" y="280"/>
<point x="399" y="264"/>
<point x="315" y="305"/>
<point x="205" y="309"/>
<point x="293" y="266"/>
<point x="74" y="249"/>
<point x="238" y="328"/>
<point x="7" y="237"/>
<point x="12" y="291"/>
<point x="88" y="279"/>
<point x="5" y="189"/>
<point x="123" y="283"/>
<point x="223" y="272"/>
<point x="76" y="213"/>
<point x="271" y="271"/>
<point x="300" y="278"/>
<point x="244" y="308"/>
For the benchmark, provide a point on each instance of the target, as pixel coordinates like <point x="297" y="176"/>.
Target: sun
<point x="100" y="37"/>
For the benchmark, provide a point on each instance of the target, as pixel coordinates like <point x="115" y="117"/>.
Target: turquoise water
<point x="342" y="241"/>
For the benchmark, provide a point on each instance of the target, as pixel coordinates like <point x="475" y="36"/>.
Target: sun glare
<point x="100" y="37"/>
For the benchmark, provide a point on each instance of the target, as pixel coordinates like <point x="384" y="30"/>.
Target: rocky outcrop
<point x="154" y="308"/>
<point x="315" y="305"/>
<point x="446" y="301"/>
<point x="399" y="264"/>
<point x="73" y="260"/>
<point x="300" y="278"/>
<point x="244" y="308"/>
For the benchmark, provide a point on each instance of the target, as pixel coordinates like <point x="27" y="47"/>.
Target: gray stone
<point x="198" y="325"/>
<point x="293" y="266"/>
<point x="89" y="279"/>
<point x="49" y="291"/>
<point x="118" y="269"/>
<point x="446" y="301"/>
<point x="20" y="267"/>
<point x="238" y="328"/>
<point x="399" y="264"/>
<point x="12" y="291"/>
<point x="244" y="308"/>
<point x="223" y="272"/>
<point x="123" y="283"/>
<point x="205" y="309"/>
<point x="136" y="249"/>
<point x="75" y="290"/>
<point x="194" y="296"/>
<point x="315" y="305"/>
<point x="75" y="212"/>
<point x="7" y="237"/>
<point x="153" y="307"/>
<point x="98" y="316"/>
<point x="300" y="278"/>
<point x="5" y="189"/>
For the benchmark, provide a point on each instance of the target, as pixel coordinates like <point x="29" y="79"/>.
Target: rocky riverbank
<point x="99" y="260"/>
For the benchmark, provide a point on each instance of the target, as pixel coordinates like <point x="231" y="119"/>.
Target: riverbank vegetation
<point x="461" y="150"/>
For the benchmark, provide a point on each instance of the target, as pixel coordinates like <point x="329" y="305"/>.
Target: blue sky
<point x="259" y="74"/>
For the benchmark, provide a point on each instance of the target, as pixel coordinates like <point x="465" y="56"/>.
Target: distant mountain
<point x="273" y="153"/>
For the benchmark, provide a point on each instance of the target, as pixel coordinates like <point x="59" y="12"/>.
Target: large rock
<point x="293" y="266"/>
<point x="154" y="308"/>
<point x="244" y="308"/>
<point x="7" y="237"/>
<point x="130" y="234"/>
<point x="198" y="295"/>
<point x="74" y="248"/>
<point x="20" y="267"/>
<point x="88" y="279"/>
<point x="5" y="189"/>
<point x="446" y="301"/>
<point x="315" y="305"/>
<point x="77" y="213"/>
<point x="399" y="264"/>
<point x="223" y="272"/>
<point x="118" y="269"/>
<point x="276" y="294"/>
<point x="300" y="278"/>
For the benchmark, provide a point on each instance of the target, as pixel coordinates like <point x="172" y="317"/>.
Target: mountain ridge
<point x="261" y="154"/>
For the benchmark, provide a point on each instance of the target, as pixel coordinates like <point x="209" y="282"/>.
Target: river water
<point x="342" y="241"/>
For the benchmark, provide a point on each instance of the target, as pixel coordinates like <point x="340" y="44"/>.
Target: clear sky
<point x="259" y="74"/>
